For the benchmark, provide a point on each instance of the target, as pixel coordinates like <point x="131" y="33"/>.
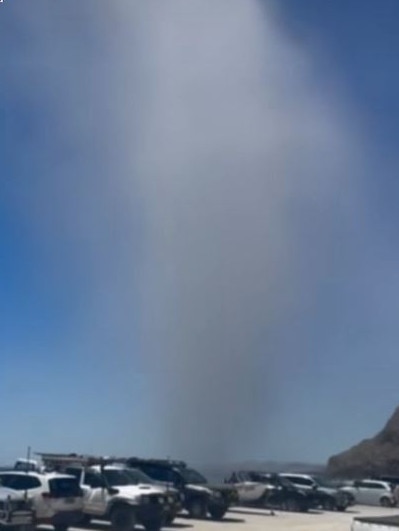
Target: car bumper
<point x="17" y="518"/>
<point x="153" y="512"/>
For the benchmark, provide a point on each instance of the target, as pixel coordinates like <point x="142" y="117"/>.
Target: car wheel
<point x="197" y="509"/>
<point x="328" y="505"/>
<point x="85" y="520"/>
<point x="169" y="519"/>
<point x="291" y="505"/>
<point x="123" y="519"/>
<point x="153" y="525"/>
<point x="385" y="502"/>
<point x="217" y="513"/>
<point x="264" y="502"/>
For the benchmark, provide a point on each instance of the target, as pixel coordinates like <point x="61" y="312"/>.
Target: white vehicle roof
<point x="47" y="475"/>
<point x="307" y="476"/>
<point x="379" y="482"/>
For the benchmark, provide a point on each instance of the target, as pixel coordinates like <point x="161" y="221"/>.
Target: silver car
<point x="371" y="492"/>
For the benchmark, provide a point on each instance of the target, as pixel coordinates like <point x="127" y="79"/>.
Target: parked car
<point x="16" y="511"/>
<point x="57" y="499"/>
<point x="325" y="496"/>
<point x="27" y="465"/>
<point x="269" y="491"/>
<point x="200" y="497"/>
<point x="120" y="477"/>
<point x="371" y="492"/>
<point x="113" y="496"/>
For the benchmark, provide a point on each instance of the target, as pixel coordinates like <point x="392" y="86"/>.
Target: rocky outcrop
<point x="371" y="457"/>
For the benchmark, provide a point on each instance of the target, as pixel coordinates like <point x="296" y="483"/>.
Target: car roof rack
<point x="54" y="461"/>
<point x="131" y="461"/>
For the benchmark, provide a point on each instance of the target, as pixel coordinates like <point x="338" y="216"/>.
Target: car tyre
<point x="85" y="520"/>
<point x="153" y="525"/>
<point x="123" y="519"/>
<point x="329" y="505"/>
<point x="197" y="509"/>
<point x="385" y="502"/>
<point x="217" y="513"/>
<point x="291" y="505"/>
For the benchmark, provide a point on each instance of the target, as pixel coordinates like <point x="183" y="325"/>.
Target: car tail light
<point x="46" y="495"/>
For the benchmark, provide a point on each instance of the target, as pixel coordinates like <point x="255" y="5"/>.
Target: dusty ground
<point x="259" y="520"/>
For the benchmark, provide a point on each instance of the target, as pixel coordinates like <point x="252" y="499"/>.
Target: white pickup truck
<point x="110" y="494"/>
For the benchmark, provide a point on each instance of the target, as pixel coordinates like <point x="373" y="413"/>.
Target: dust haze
<point x="206" y="181"/>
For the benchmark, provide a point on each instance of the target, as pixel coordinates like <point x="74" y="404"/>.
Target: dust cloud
<point x="207" y="172"/>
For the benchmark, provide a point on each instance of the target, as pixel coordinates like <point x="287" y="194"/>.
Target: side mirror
<point x="112" y="491"/>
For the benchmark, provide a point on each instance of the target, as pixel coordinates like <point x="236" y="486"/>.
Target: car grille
<point x="156" y="499"/>
<point x="15" y="505"/>
<point x="20" y="505"/>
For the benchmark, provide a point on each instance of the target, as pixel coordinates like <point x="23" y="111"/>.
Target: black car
<point x="282" y="494"/>
<point x="326" y="493"/>
<point x="199" y="497"/>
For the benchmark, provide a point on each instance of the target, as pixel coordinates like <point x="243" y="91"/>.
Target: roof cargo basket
<point x="60" y="461"/>
<point x="132" y="461"/>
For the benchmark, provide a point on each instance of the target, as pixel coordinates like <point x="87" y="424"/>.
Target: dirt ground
<point x="258" y="520"/>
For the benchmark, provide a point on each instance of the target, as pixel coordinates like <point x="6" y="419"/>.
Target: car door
<point x="375" y="491"/>
<point x="95" y="495"/>
<point x="65" y="494"/>
<point x="363" y="493"/>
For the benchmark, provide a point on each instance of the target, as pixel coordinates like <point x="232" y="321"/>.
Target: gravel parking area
<point x="258" y="520"/>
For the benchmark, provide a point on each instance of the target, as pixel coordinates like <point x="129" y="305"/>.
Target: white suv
<point x="57" y="498"/>
<point x="16" y="513"/>
<point x="372" y="492"/>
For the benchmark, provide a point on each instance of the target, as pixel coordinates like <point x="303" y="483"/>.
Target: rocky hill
<point x="371" y="457"/>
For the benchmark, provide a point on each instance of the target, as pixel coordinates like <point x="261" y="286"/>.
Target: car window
<point x="75" y="472"/>
<point x="370" y="485"/>
<point x="64" y="487"/>
<point x="300" y="481"/>
<point x="159" y="473"/>
<point x="20" y="482"/>
<point x="93" y="480"/>
<point x="373" y="485"/>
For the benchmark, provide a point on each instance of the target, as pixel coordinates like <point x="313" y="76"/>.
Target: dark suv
<point x="278" y="492"/>
<point x="199" y="497"/>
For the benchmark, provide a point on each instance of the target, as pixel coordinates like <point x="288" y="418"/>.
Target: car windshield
<point x="118" y="478"/>
<point x="137" y="476"/>
<point x="192" y="476"/>
<point x="285" y="482"/>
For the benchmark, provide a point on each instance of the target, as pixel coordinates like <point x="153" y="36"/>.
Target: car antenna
<point x="27" y="459"/>
<point x="28" y="452"/>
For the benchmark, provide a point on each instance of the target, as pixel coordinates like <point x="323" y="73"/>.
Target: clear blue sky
<point x="57" y="391"/>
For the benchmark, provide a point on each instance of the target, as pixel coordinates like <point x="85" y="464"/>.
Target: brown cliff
<point x="371" y="457"/>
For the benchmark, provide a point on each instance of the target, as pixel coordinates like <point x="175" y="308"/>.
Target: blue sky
<point x="98" y="269"/>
